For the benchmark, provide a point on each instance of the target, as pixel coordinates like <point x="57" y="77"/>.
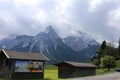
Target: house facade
<point x="21" y="65"/>
<point x="68" y="69"/>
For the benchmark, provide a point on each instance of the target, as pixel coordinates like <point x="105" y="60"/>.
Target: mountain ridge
<point x="47" y="42"/>
<point x="80" y="42"/>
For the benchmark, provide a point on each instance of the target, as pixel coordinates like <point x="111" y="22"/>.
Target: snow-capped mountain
<point x="46" y="42"/>
<point x="80" y="42"/>
<point x="12" y="41"/>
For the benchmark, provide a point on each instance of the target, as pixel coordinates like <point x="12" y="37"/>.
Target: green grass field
<point x="51" y="75"/>
<point x="103" y="71"/>
<point x="51" y="72"/>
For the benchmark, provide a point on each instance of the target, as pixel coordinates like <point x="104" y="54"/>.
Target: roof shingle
<point x="24" y="55"/>
<point x="78" y="64"/>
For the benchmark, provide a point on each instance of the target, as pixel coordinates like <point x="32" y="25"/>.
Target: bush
<point x="118" y="63"/>
<point x="108" y="62"/>
<point x="96" y="62"/>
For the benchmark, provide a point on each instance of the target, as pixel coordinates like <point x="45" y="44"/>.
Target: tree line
<point x="107" y="56"/>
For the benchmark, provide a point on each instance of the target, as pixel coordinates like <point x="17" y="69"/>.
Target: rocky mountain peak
<point x="49" y="32"/>
<point x="49" y="29"/>
<point x="82" y="41"/>
<point x="51" y="44"/>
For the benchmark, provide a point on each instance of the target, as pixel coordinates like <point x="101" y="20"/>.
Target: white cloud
<point x="26" y="2"/>
<point x="0" y="0"/>
<point x="114" y="19"/>
<point x="114" y="23"/>
<point x="66" y="16"/>
<point x="93" y="4"/>
<point x="8" y="20"/>
<point x="63" y="5"/>
<point x="62" y="8"/>
<point x="41" y="16"/>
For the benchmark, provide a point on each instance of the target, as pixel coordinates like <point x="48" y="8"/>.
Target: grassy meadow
<point x="51" y="72"/>
<point x="104" y="71"/>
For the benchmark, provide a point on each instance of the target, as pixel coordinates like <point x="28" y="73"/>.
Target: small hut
<point x="21" y="65"/>
<point x="68" y="69"/>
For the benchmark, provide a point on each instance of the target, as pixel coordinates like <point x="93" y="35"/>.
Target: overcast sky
<point x="99" y="18"/>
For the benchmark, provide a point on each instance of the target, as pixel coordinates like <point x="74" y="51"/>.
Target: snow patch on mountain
<point x="82" y="41"/>
<point x="51" y="44"/>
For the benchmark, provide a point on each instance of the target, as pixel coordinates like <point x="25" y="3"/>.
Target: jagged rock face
<point x="80" y="42"/>
<point x="46" y="42"/>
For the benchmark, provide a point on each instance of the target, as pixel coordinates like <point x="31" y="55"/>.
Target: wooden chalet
<point x="68" y="69"/>
<point x="21" y="65"/>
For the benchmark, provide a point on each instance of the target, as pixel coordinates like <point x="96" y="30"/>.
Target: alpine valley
<point x="72" y="48"/>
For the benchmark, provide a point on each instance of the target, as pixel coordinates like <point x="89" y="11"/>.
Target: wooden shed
<point x="68" y="69"/>
<point x="21" y="65"/>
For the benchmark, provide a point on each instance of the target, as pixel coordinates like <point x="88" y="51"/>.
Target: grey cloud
<point x="75" y="17"/>
<point x="96" y="21"/>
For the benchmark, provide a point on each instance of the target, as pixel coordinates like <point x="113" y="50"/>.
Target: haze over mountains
<point x="48" y="42"/>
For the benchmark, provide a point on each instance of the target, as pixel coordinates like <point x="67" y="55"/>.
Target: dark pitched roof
<point x="24" y="55"/>
<point x="78" y="64"/>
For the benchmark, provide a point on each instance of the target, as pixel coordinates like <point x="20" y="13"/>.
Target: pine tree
<point x="103" y="45"/>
